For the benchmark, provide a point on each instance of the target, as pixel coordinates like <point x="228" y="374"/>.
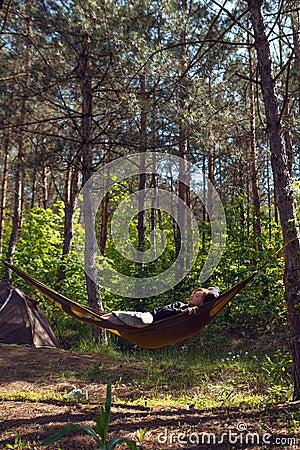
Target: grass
<point x="224" y="372"/>
<point x="34" y="396"/>
<point x="209" y="372"/>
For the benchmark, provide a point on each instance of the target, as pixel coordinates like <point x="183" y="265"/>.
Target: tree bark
<point x="94" y="298"/>
<point x="142" y="174"/>
<point x="283" y="192"/>
<point x="183" y="147"/>
<point x="70" y="195"/>
<point x="4" y="189"/>
<point x="45" y="193"/>
<point x="296" y="41"/>
<point x="18" y="189"/>
<point x="254" y="168"/>
<point x="33" y="186"/>
<point x="211" y="156"/>
<point x="104" y="216"/>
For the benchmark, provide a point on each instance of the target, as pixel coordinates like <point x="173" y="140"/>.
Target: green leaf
<point x="91" y="432"/>
<point x="66" y="428"/>
<point x="102" y="420"/>
<point x="60" y="434"/>
<point x="119" y="440"/>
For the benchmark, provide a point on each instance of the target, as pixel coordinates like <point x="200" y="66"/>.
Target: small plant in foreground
<point x="19" y="443"/>
<point x="141" y="433"/>
<point x="98" y="433"/>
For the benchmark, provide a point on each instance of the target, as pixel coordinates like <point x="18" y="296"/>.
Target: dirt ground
<point x="24" y="369"/>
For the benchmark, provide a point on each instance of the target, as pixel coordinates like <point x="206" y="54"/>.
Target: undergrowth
<point x="211" y="371"/>
<point x="206" y="371"/>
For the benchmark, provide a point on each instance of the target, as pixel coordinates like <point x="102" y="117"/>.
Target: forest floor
<point x="35" y="400"/>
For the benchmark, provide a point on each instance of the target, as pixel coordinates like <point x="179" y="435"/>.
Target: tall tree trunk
<point x="18" y="189"/>
<point x="142" y="175"/>
<point x="104" y="223"/>
<point x="94" y="298"/>
<point x="270" y="203"/>
<point x="70" y="195"/>
<point x="153" y="219"/>
<point x="33" y="186"/>
<point x="283" y="192"/>
<point x="203" y="240"/>
<point x="4" y="188"/>
<point x="104" y="212"/>
<point x="181" y="240"/>
<point x="286" y="122"/>
<point x="288" y="136"/>
<point x="45" y="193"/>
<point x="296" y="41"/>
<point x="211" y="157"/>
<point x="254" y="180"/>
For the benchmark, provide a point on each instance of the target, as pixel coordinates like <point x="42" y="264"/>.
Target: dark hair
<point x="213" y="294"/>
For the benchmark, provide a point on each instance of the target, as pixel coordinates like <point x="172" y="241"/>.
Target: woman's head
<point x="197" y="297"/>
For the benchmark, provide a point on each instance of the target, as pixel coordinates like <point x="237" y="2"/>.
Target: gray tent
<point x="22" y="320"/>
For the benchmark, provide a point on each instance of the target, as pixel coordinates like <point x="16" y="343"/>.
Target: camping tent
<point x="22" y="320"/>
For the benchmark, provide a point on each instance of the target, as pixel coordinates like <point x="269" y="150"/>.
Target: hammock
<point x="158" y="334"/>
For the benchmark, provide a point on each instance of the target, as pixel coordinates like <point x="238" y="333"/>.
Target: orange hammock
<point x="158" y="334"/>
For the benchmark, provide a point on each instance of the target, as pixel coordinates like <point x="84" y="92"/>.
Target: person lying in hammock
<point x="141" y="319"/>
<point x="197" y="299"/>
